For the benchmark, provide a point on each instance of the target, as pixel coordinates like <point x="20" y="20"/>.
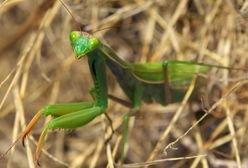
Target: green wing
<point x="152" y="91"/>
<point x="151" y="76"/>
<point x="179" y="72"/>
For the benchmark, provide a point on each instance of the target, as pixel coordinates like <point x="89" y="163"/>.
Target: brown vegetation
<point x="38" y="67"/>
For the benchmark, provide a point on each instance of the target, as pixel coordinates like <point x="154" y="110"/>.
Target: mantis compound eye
<point x="94" y="43"/>
<point x="74" y="36"/>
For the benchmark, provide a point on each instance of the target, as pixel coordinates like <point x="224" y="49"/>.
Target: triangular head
<point x="83" y="43"/>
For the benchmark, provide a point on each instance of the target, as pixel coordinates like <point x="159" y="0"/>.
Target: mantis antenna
<point x="80" y="25"/>
<point x="70" y="12"/>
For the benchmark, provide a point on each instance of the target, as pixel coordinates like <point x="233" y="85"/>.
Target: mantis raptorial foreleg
<point x="55" y="110"/>
<point x="67" y="116"/>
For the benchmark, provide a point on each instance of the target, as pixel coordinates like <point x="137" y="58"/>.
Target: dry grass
<point x="38" y="68"/>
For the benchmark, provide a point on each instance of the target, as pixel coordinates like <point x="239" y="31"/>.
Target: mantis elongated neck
<point x="108" y="52"/>
<point x="96" y="62"/>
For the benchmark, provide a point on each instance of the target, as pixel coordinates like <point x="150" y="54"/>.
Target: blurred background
<point x="38" y="67"/>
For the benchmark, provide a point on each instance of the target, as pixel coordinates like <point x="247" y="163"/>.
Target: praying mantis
<point x="147" y="82"/>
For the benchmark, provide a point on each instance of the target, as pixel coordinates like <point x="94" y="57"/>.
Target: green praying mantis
<point x="147" y="82"/>
<point x="139" y="81"/>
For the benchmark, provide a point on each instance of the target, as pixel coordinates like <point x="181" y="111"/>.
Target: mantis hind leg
<point x="68" y="121"/>
<point x="179" y="74"/>
<point x="167" y="90"/>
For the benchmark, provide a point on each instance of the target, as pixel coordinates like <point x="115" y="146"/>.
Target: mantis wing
<point x="154" y="90"/>
<point x="151" y="76"/>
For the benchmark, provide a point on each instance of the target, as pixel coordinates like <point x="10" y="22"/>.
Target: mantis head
<point x="83" y="43"/>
